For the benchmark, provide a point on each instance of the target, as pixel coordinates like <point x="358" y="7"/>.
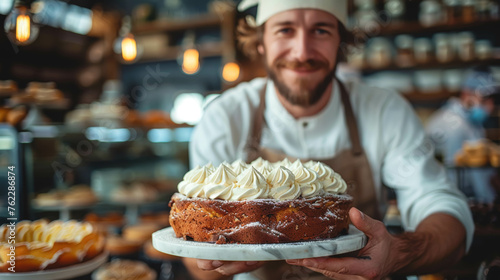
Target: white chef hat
<point x="268" y="8"/>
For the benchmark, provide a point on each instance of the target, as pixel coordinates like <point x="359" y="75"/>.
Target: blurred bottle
<point x="379" y="53"/>
<point x="468" y="11"/>
<point x="466" y="46"/>
<point x="444" y="48"/>
<point x="484" y="50"/>
<point x="494" y="10"/>
<point x="483" y="9"/>
<point x="395" y="9"/>
<point x="431" y="13"/>
<point x="366" y="16"/>
<point x="453" y="11"/>
<point x="404" y="45"/>
<point x="423" y="50"/>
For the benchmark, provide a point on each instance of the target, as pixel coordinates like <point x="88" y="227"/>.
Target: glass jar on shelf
<point x="483" y="49"/>
<point x="356" y="57"/>
<point x="423" y="50"/>
<point x="468" y="11"/>
<point x="379" y="53"/>
<point x="404" y="47"/>
<point x="466" y="46"/>
<point x="453" y="11"/>
<point x="395" y="9"/>
<point x="483" y="9"/>
<point x="431" y="13"/>
<point x="494" y="10"/>
<point x="444" y="48"/>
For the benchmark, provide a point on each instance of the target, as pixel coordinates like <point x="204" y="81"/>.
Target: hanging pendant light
<point x="19" y="24"/>
<point x="190" y="58"/>
<point x="126" y="45"/>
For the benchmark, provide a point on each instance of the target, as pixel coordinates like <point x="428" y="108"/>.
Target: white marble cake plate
<point x="165" y="241"/>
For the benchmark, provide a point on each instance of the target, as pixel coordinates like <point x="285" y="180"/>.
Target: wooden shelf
<point x="172" y="53"/>
<point x="429" y="97"/>
<point x="415" y="28"/>
<point x="431" y="65"/>
<point x="202" y="21"/>
<point x="487" y="231"/>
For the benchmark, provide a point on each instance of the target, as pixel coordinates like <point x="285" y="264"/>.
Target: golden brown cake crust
<point x="259" y="221"/>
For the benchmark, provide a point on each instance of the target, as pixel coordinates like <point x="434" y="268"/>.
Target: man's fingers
<point x="363" y="222"/>
<point x="344" y="266"/>
<point x="337" y="276"/>
<point x="231" y="268"/>
<point x="208" y="264"/>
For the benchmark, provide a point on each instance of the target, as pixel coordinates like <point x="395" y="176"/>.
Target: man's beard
<point x="303" y="95"/>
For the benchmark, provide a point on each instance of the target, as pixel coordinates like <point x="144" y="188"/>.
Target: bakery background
<point x="99" y="98"/>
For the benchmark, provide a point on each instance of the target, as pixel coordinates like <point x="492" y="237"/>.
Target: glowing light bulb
<point x="20" y="27"/>
<point x="231" y="72"/>
<point x="191" y="61"/>
<point x="23" y="28"/>
<point x="129" y="48"/>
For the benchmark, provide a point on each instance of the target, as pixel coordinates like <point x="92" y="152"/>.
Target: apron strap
<point x="352" y="125"/>
<point x="256" y="133"/>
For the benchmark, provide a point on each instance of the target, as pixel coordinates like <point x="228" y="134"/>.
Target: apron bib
<point x="352" y="164"/>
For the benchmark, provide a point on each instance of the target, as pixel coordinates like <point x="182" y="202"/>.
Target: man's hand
<point x="374" y="261"/>
<point x="228" y="267"/>
<point x="438" y="242"/>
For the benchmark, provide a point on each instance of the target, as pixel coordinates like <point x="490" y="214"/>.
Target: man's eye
<point x="321" y="31"/>
<point x="285" y="30"/>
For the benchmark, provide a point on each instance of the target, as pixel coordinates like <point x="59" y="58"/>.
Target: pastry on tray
<point x="40" y="245"/>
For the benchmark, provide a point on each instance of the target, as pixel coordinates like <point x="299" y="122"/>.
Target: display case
<point x="72" y="171"/>
<point x="12" y="198"/>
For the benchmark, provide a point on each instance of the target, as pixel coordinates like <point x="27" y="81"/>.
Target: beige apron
<point x="352" y="164"/>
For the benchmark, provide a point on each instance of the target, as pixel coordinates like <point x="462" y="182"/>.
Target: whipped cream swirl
<point x="307" y="180"/>
<point x="239" y="166"/>
<point x="220" y="183"/>
<point x="250" y="185"/>
<point x="332" y="182"/>
<point x="194" y="181"/>
<point x="282" y="182"/>
<point x="261" y="179"/>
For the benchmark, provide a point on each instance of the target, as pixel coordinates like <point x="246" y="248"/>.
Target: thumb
<point x="363" y="222"/>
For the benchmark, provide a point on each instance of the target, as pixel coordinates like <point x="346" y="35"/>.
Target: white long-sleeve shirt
<point x="392" y="136"/>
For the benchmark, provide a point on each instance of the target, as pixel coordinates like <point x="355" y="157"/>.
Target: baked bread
<point x="78" y="195"/>
<point x="140" y="232"/>
<point x="260" y="203"/>
<point x="125" y="270"/>
<point x="41" y="245"/>
<point x="160" y="218"/>
<point x="117" y="245"/>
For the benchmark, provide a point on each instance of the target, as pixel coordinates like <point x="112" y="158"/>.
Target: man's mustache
<point x="310" y="64"/>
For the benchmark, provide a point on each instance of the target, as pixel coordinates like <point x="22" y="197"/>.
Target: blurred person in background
<point x="365" y="134"/>
<point x="461" y="120"/>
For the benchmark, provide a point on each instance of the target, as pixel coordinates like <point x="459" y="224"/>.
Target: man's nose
<point x="301" y="51"/>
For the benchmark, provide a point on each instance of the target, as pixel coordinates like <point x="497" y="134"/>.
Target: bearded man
<point x="370" y="136"/>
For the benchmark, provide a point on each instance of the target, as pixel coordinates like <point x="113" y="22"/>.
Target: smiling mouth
<point x="303" y="70"/>
<point x="300" y="67"/>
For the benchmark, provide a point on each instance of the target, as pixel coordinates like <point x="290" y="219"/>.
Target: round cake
<point x="260" y="203"/>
